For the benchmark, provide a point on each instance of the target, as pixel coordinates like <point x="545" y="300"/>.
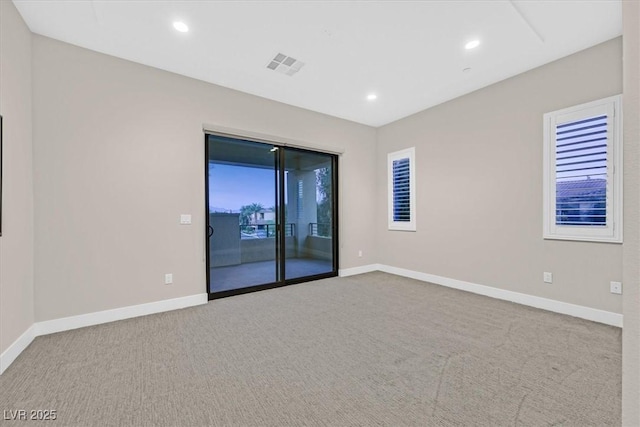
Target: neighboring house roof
<point x="220" y="210"/>
<point x="586" y="187"/>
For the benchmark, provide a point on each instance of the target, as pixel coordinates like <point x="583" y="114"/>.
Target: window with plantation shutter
<point x="401" y="170"/>
<point x="583" y="172"/>
<point x="401" y="191"/>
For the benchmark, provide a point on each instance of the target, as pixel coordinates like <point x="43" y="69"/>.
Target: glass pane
<point x="242" y="212"/>
<point x="308" y="213"/>
<point x="401" y="190"/>
<point x="581" y="172"/>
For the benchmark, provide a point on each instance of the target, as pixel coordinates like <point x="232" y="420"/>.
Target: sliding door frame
<point x="280" y="255"/>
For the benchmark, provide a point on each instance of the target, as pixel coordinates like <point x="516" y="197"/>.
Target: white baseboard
<point x="106" y="316"/>
<point x="10" y="354"/>
<point x="588" y="313"/>
<point x="346" y="272"/>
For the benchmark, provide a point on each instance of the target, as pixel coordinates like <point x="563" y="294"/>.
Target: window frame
<point x="612" y="231"/>
<point x="408" y="153"/>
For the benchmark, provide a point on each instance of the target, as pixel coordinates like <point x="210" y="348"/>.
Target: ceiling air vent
<point x="285" y="64"/>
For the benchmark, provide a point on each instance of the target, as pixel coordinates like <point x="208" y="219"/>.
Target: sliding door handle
<point x="210" y="231"/>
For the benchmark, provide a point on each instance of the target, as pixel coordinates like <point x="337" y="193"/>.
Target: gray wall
<point x="479" y="186"/>
<point x="119" y="155"/>
<point x="16" y="242"/>
<point x="631" y="306"/>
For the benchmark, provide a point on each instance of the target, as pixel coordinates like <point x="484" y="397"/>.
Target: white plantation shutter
<point x="401" y="190"/>
<point x="402" y="210"/>
<point x="583" y="172"/>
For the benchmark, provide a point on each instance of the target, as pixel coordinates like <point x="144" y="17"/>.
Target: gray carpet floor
<point x="368" y="350"/>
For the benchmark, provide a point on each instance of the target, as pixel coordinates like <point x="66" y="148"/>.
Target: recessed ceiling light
<point x="372" y="97"/>
<point x="472" y="44"/>
<point x="180" y="26"/>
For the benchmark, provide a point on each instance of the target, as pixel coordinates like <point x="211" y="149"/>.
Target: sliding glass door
<point x="242" y="178"/>
<point x="309" y="180"/>
<point x="271" y="215"/>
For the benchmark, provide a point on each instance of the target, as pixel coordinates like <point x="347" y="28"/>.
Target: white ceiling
<point x="410" y="53"/>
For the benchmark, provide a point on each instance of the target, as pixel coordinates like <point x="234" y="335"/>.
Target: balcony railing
<point x="319" y="229"/>
<point x="264" y="231"/>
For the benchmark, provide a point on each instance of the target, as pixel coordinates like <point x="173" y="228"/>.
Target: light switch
<point x="185" y="219"/>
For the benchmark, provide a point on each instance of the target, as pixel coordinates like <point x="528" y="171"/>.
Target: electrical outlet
<point x="168" y="279"/>
<point x="547" y="277"/>
<point x="615" y="287"/>
<point x="360" y="254"/>
<point x="185" y="219"/>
